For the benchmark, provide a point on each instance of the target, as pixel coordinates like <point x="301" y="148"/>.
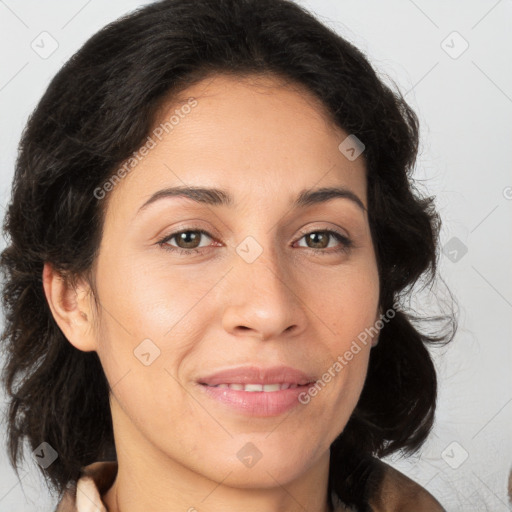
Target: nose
<point x="263" y="299"/>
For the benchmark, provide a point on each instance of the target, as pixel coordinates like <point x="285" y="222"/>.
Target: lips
<point x="254" y="391"/>
<point x="254" y="378"/>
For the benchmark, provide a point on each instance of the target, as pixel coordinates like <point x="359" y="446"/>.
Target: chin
<point x="261" y="468"/>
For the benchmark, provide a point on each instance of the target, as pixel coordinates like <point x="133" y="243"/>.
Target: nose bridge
<point x="269" y="273"/>
<point x="264" y="298"/>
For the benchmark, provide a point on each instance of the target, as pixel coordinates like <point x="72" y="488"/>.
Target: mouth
<point x="258" y="388"/>
<point x="256" y="392"/>
<point x="252" y="376"/>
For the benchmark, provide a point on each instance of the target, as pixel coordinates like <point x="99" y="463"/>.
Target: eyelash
<point x="347" y="244"/>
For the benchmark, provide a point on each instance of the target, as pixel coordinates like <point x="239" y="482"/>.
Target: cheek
<point x="351" y="304"/>
<point x="140" y="303"/>
<point x="150" y="322"/>
<point x="354" y="311"/>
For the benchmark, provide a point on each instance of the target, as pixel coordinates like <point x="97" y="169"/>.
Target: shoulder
<point x="398" y="493"/>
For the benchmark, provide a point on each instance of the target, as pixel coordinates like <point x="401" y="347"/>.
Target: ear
<point x="375" y="339"/>
<point x="71" y="308"/>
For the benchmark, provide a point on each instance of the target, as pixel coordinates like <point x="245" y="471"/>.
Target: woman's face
<point x="266" y="286"/>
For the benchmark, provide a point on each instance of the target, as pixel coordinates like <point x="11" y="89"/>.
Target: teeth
<point x="253" y="387"/>
<point x="257" y="387"/>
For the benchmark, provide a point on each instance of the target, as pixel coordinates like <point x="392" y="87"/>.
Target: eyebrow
<point x="219" y="197"/>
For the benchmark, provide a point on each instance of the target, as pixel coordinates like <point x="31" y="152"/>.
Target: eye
<point x="321" y="239"/>
<point x="187" y="240"/>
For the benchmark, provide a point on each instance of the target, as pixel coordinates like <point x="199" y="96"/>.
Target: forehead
<point x="257" y="136"/>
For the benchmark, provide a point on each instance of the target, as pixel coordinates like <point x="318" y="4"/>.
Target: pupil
<point x="187" y="235"/>
<point x="315" y="237"/>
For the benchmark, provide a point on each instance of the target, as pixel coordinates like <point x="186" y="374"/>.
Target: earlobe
<point x="70" y="307"/>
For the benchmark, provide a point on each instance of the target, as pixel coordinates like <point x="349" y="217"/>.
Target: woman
<point x="211" y="230"/>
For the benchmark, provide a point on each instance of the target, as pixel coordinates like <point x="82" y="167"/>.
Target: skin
<point x="298" y="303"/>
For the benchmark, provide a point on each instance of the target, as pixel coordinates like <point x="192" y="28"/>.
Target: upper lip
<point x="257" y="375"/>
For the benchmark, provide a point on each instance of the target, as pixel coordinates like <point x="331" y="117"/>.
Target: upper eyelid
<point x="304" y="232"/>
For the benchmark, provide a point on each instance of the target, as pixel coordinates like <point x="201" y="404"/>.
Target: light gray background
<point x="464" y="101"/>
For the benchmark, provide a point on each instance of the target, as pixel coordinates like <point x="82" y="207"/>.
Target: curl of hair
<point x="96" y="112"/>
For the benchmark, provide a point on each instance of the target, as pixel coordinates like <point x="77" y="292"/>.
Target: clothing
<point x="397" y="493"/>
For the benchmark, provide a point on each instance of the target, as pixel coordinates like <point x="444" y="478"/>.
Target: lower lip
<point x="257" y="403"/>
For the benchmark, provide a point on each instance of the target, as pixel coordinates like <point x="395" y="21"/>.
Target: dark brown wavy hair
<point x="97" y="111"/>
